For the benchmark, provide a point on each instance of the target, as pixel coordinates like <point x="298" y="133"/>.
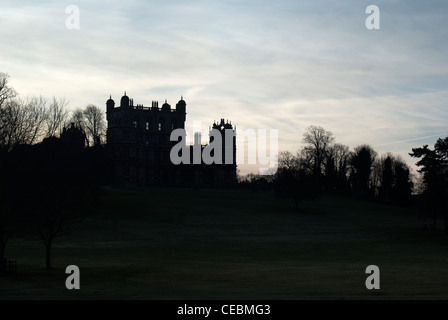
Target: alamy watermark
<point x="227" y="146"/>
<point x="73" y="281"/>
<point x="373" y="20"/>
<point x="373" y="280"/>
<point x="73" y="21"/>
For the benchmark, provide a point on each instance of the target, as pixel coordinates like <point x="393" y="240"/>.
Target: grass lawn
<point x="163" y="243"/>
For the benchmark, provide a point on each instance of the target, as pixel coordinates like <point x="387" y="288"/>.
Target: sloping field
<point x="220" y="244"/>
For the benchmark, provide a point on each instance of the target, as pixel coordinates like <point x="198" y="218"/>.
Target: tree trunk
<point x="48" y="256"/>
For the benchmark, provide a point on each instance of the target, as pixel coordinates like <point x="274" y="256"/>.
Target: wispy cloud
<point x="283" y="65"/>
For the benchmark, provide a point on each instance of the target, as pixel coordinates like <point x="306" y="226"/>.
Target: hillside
<point x="148" y="243"/>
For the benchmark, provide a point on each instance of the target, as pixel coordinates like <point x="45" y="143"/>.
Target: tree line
<point x="27" y="121"/>
<point x="323" y="165"/>
<point x="433" y="165"/>
<point x="51" y="165"/>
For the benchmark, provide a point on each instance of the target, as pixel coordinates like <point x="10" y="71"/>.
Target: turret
<point x="181" y="106"/>
<point x="110" y="104"/>
<point x="125" y="102"/>
<point x="166" y="107"/>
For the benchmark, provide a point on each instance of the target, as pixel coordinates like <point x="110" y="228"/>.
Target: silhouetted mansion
<point x="139" y="146"/>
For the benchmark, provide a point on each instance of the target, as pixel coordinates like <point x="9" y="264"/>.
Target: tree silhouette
<point x="395" y="181"/>
<point x="293" y="180"/>
<point x="362" y="162"/>
<point x="29" y="121"/>
<point x="95" y="124"/>
<point x="318" y="142"/>
<point x="77" y="118"/>
<point x="56" y="117"/>
<point x="387" y="177"/>
<point x="403" y="186"/>
<point x="92" y="121"/>
<point x="6" y="92"/>
<point x="60" y="177"/>
<point x="433" y="164"/>
<point x="51" y="218"/>
<point x="336" y="167"/>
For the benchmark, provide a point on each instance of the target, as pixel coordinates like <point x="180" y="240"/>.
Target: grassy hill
<point x="163" y="243"/>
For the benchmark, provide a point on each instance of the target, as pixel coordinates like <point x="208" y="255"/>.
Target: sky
<point x="280" y="64"/>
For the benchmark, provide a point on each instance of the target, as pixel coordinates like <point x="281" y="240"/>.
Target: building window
<point x="160" y="126"/>
<point x="147" y="126"/>
<point x="135" y="124"/>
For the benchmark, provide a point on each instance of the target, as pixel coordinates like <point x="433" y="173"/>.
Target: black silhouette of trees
<point x="433" y="165"/>
<point x="6" y="214"/>
<point x="6" y="92"/>
<point x="20" y="122"/>
<point x="26" y="122"/>
<point x="92" y="121"/>
<point x="50" y="218"/>
<point x="46" y="172"/>
<point x="387" y="177"/>
<point x="318" y="142"/>
<point x="293" y="179"/>
<point x="287" y="161"/>
<point x="336" y="167"/>
<point x="403" y="185"/>
<point x="95" y="124"/>
<point x="394" y="179"/>
<point x="361" y="162"/>
<point x="56" y="117"/>
<point x="77" y="118"/>
<point x="324" y="165"/>
<point x="59" y="185"/>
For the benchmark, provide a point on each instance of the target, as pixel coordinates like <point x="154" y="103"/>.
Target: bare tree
<point x="92" y="121"/>
<point x="287" y="161"/>
<point x="50" y="220"/>
<point x="336" y="166"/>
<point x="95" y="124"/>
<point x="293" y="180"/>
<point x="6" y="92"/>
<point x="22" y="122"/>
<point x="341" y="155"/>
<point x="56" y="118"/>
<point x="77" y="118"/>
<point x="59" y="184"/>
<point x="318" y="142"/>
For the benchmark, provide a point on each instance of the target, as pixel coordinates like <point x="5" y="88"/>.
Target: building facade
<point x="139" y="147"/>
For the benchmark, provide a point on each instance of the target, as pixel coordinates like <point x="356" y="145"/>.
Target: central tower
<point x="138" y="140"/>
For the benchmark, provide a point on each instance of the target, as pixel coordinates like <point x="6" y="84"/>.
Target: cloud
<point x="263" y="64"/>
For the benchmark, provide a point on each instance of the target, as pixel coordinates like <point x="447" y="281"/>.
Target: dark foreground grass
<point x="220" y="244"/>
